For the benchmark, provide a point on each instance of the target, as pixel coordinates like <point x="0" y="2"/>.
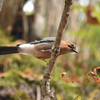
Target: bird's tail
<point x="8" y="50"/>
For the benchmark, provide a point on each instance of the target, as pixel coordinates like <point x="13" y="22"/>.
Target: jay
<point x="40" y="49"/>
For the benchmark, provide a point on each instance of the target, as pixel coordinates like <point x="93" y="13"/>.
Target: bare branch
<point x="9" y="88"/>
<point x="46" y="92"/>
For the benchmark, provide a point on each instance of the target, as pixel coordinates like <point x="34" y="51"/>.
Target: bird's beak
<point x="75" y="50"/>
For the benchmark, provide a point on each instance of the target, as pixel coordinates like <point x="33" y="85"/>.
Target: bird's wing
<point x="48" y="39"/>
<point x="42" y="41"/>
<point x="45" y="44"/>
<point x="42" y="45"/>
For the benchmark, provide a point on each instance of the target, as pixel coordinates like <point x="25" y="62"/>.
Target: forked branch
<point x="46" y="92"/>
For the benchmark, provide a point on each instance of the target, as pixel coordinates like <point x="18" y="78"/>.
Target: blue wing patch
<point x="47" y="40"/>
<point x="39" y="41"/>
<point x="42" y="41"/>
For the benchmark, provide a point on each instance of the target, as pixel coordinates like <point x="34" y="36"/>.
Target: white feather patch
<point x="26" y="49"/>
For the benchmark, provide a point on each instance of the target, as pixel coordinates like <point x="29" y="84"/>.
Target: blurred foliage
<point x="23" y="73"/>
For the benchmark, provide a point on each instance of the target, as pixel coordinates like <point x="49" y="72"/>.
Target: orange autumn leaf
<point x="74" y="78"/>
<point x="98" y="79"/>
<point x="64" y="77"/>
<point x="94" y="74"/>
<point x="98" y="68"/>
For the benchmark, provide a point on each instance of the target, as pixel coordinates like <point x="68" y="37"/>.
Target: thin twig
<point x="82" y="90"/>
<point x="76" y="84"/>
<point x="9" y="88"/>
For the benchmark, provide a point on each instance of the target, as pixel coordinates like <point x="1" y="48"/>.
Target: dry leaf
<point x="94" y="74"/>
<point x="74" y="78"/>
<point x="64" y="77"/>
<point x="98" y="68"/>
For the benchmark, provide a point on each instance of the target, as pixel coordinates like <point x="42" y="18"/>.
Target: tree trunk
<point x="8" y="12"/>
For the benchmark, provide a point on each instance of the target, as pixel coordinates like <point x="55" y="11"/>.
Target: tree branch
<point x="46" y="92"/>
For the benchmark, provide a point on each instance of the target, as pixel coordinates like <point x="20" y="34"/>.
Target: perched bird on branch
<point x="40" y="49"/>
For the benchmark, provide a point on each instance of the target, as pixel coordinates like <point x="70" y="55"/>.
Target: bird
<point x="40" y="49"/>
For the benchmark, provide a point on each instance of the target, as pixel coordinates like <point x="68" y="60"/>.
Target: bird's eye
<point x="72" y="45"/>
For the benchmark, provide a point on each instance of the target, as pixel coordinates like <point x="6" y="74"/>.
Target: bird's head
<point x="72" y="47"/>
<point x="67" y="47"/>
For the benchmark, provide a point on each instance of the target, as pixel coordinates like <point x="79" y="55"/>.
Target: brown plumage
<point x="40" y="49"/>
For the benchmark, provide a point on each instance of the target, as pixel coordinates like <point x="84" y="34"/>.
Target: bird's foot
<point x="45" y="61"/>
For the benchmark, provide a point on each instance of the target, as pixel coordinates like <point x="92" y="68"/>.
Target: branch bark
<point x="46" y="92"/>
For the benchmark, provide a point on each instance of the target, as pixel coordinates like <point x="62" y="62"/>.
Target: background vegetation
<point x="24" y="73"/>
